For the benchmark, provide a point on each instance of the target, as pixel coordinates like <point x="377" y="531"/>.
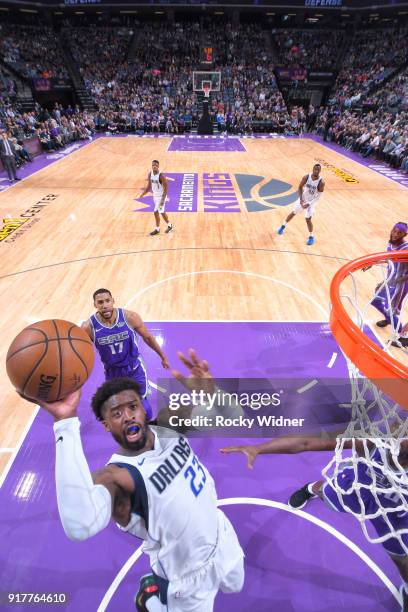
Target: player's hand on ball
<point x="200" y="377"/>
<point x="64" y="408"/>
<point x="250" y="452"/>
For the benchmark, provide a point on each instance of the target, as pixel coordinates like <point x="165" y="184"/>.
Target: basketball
<point x="49" y="359"/>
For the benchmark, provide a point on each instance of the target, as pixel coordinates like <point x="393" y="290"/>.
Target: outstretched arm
<point x="136" y="322"/>
<point x="85" y="506"/>
<point x="284" y="445"/>
<point x="288" y="445"/>
<point x="200" y="380"/>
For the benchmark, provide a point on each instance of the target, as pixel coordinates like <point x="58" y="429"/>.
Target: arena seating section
<point x="138" y="76"/>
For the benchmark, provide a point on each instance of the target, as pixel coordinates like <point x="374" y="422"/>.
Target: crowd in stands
<point x="377" y="47"/>
<point x="309" y="48"/>
<point x="148" y="86"/>
<point x="147" y="91"/>
<point x="143" y="83"/>
<point x="362" y="115"/>
<point x="54" y="129"/>
<point x="8" y="88"/>
<point x="98" y="52"/>
<point x="32" y="51"/>
<point x="380" y="134"/>
<point x="249" y="93"/>
<point x="393" y="96"/>
<point x="374" y="55"/>
<point x="140" y="78"/>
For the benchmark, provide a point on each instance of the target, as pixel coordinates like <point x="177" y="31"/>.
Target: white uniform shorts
<point x="158" y="206"/>
<point x="309" y="211"/>
<point x="224" y="571"/>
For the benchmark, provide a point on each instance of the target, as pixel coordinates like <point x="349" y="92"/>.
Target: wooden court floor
<point x="214" y="266"/>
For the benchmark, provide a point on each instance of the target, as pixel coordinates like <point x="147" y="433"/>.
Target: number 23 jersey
<point x="174" y="507"/>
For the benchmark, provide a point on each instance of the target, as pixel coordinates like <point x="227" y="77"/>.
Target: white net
<point x="206" y="88"/>
<point x="368" y="474"/>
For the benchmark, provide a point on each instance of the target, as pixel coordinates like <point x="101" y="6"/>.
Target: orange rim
<point x="387" y="373"/>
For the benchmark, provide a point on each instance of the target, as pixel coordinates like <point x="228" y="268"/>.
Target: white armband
<point x="84" y="507"/>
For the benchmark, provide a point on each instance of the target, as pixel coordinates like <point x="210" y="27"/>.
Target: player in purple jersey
<point x="389" y="298"/>
<point x="114" y="332"/>
<point x="345" y="479"/>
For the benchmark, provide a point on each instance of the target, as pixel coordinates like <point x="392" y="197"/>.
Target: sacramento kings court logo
<point x="222" y="192"/>
<point x="260" y="195"/>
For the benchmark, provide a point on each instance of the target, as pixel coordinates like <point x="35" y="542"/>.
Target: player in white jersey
<point x="155" y="488"/>
<point x="157" y="184"/>
<point x="311" y="188"/>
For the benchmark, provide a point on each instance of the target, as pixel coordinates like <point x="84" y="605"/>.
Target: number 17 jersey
<point x="116" y="345"/>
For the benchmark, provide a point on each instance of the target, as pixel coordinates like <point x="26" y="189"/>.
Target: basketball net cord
<point x="378" y="485"/>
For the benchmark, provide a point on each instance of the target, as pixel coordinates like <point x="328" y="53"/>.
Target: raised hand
<point x="250" y="452"/>
<point x="200" y="377"/>
<point x="64" y="408"/>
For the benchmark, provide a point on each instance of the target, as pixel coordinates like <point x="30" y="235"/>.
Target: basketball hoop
<point x="378" y="423"/>
<point x="206" y="85"/>
<point x="206" y="81"/>
<point x="390" y="375"/>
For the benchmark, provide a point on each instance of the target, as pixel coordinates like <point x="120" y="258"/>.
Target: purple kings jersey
<point x="395" y="273"/>
<point x="385" y="495"/>
<point x="116" y="345"/>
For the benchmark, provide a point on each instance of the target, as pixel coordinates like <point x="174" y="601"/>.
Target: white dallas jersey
<point x="174" y="507"/>
<point x="157" y="187"/>
<point x="310" y="193"/>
